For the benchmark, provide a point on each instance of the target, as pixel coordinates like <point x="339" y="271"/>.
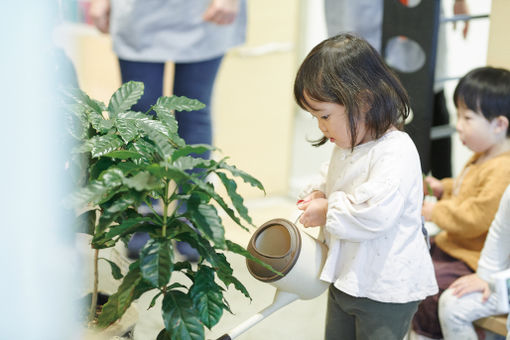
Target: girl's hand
<point x="434" y="184"/>
<point x="100" y="14"/>
<point x="470" y="283"/>
<point x="314" y="212"/>
<point x="221" y="12"/>
<point x="426" y="210"/>
<point x="303" y="204"/>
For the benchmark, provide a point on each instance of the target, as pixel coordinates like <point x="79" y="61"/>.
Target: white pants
<point x="456" y="315"/>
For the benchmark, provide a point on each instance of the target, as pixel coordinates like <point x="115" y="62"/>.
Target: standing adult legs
<point x="196" y="81"/>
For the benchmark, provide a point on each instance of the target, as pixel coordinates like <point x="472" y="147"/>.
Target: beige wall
<point x="498" y="53"/>
<point x="252" y="106"/>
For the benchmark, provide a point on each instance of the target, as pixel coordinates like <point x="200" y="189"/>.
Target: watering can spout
<point x="281" y="299"/>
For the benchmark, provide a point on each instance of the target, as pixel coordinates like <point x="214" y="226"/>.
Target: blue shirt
<point x="163" y="30"/>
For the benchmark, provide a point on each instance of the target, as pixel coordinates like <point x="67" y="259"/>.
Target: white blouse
<point x="374" y="229"/>
<point x="495" y="255"/>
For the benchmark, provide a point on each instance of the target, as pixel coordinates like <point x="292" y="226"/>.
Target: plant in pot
<point x="131" y="158"/>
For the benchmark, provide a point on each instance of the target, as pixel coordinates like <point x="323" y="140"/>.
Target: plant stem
<point x="165" y="209"/>
<point x="93" y="304"/>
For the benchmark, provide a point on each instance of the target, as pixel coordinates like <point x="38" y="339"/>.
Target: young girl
<point x="467" y="204"/>
<point x="368" y="199"/>
<point x="469" y="298"/>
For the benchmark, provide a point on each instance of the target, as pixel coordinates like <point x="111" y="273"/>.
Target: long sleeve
<point x="495" y="255"/>
<point x="471" y="214"/>
<point x="372" y="209"/>
<point x="465" y="217"/>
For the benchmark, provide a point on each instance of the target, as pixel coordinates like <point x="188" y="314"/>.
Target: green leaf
<point x="123" y="154"/>
<point x="81" y="98"/>
<point x="164" y="145"/>
<point x="100" y="190"/>
<point x="163" y="335"/>
<point x="238" y="249"/>
<point x="207" y="297"/>
<point x="145" y="148"/>
<point x="189" y="149"/>
<point x="125" y="97"/>
<point x="85" y="223"/>
<point x="119" y="302"/>
<point x="224" y="272"/>
<point x="116" y="273"/>
<point x="236" y="199"/>
<point x="99" y="167"/>
<point x="179" y="317"/>
<point x="156" y="261"/>
<point x="126" y="227"/>
<point x="101" y="145"/>
<point x="209" y="190"/>
<point x="126" y="124"/>
<point x="179" y="103"/>
<point x="153" y="301"/>
<point x="206" y="219"/>
<point x="112" y="210"/>
<point x="245" y="176"/>
<point x="144" y="181"/>
<point x="167" y="117"/>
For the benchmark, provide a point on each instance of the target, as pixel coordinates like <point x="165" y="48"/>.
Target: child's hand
<point x="426" y="210"/>
<point x="434" y="184"/>
<point x="470" y="283"/>
<point x="315" y="212"/>
<point x="303" y="204"/>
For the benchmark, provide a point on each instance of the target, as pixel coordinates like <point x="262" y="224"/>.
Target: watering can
<point x="296" y="255"/>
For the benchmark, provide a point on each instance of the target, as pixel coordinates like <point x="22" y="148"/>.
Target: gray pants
<point x="350" y="318"/>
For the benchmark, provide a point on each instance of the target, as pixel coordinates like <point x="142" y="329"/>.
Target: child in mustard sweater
<point x="467" y="204"/>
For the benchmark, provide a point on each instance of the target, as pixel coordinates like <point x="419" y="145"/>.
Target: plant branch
<point x="93" y="304"/>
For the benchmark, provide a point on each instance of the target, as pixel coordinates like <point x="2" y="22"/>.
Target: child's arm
<point x="470" y="214"/>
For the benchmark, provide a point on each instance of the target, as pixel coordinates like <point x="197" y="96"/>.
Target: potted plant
<point x="131" y="158"/>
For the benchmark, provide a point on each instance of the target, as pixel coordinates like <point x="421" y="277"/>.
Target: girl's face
<point x="475" y="131"/>
<point x="333" y="121"/>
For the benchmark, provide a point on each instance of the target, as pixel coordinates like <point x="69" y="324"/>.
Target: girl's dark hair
<point x="485" y="90"/>
<point x="346" y="70"/>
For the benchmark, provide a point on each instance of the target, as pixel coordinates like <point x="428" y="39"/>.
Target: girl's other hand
<point x="222" y="12"/>
<point x="315" y="213"/>
<point x="434" y="184"/>
<point x="470" y="283"/>
<point x="426" y="210"/>
<point x="100" y="14"/>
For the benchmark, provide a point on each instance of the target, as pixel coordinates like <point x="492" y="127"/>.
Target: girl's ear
<point x="365" y="100"/>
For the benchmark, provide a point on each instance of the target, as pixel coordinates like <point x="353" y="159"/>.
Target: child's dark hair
<point x="346" y="70"/>
<point x="486" y="91"/>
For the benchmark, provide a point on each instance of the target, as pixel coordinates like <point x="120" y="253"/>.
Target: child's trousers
<point x="457" y="314"/>
<point x="350" y="317"/>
